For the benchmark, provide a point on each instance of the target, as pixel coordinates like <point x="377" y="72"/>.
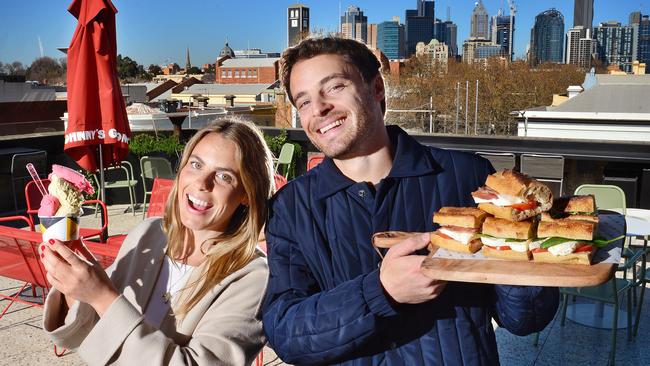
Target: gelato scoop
<point x="76" y="179"/>
<point x="49" y="205"/>
<point x="69" y="197"/>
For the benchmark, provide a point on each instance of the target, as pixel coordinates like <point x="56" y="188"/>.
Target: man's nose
<point x="321" y="106"/>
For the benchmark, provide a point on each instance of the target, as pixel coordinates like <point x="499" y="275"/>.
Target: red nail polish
<point x="42" y="255"/>
<point x="42" y="247"/>
<point x="51" y="241"/>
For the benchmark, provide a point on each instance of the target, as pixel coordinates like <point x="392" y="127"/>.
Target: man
<point x="331" y="298"/>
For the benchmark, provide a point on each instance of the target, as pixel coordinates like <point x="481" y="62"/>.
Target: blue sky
<point x="159" y="31"/>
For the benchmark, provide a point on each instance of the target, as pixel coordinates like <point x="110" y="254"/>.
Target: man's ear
<point x="379" y="91"/>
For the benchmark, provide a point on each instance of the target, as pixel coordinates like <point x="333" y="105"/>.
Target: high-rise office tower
<point x="372" y="36"/>
<point x="419" y="24"/>
<point x="446" y="32"/>
<point x="390" y="39"/>
<point x="643" y="40"/>
<point x="503" y="28"/>
<point x="580" y="46"/>
<point x="479" y="22"/>
<point x="297" y="23"/>
<point x="354" y="25"/>
<point x="616" y="44"/>
<point x="583" y="15"/>
<point x="547" y="38"/>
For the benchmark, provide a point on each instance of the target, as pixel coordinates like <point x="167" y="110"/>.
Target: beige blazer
<point x="224" y="328"/>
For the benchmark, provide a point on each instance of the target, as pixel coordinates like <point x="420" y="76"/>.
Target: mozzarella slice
<point x="501" y="200"/>
<point x="536" y="244"/>
<point x="517" y="246"/>
<point x="462" y="237"/>
<point x="564" y="248"/>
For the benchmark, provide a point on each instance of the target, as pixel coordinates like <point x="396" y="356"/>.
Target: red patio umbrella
<point x="97" y="120"/>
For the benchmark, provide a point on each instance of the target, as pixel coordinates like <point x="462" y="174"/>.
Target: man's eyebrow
<point x="323" y="81"/>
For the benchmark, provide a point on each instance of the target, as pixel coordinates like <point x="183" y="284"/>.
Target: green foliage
<point x="144" y="144"/>
<point x="275" y="145"/>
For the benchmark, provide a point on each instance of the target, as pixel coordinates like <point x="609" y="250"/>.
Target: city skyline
<point x="160" y="32"/>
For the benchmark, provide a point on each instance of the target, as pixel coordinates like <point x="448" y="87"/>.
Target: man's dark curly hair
<point x="353" y="52"/>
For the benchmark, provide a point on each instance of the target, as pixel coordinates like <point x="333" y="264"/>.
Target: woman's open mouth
<point x="197" y="205"/>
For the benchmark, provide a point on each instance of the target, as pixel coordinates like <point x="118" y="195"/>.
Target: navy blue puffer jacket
<point x="325" y="304"/>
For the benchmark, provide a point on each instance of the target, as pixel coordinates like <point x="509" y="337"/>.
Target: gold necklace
<point x="167" y="295"/>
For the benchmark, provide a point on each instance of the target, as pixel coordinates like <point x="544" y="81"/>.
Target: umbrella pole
<point x="102" y="190"/>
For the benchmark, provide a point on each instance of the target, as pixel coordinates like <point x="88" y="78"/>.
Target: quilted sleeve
<point x="524" y="310"/>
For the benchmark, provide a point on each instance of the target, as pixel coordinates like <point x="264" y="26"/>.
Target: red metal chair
<point x="314" y="160"/>
<point x="33" y="199"/>
<point x="159" y="195"/>
<point x="280" y="181"/>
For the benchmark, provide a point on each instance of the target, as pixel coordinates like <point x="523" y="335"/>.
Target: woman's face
<point x="209" y="186"/>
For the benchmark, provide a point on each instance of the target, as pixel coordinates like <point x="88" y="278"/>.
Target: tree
<point x="127" y="69"/>
<point x="193" y="70"/>
<point x="15" y="68"/>
<point x="154" y="70"/>
<point x="45" y="70"/>
<point x="2" y="66"/>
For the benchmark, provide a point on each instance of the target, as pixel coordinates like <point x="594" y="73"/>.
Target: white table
<point x="599" y="315"/>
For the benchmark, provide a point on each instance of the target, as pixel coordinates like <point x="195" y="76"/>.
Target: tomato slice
<point x="444" y="236"/>
<point x="524" y="206"/>
<point x="539" y="250"/>
<point x="584" y="248"/>
<point x="503" y="247"/>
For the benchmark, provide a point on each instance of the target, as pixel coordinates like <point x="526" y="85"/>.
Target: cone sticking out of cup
<point x="61" y="204"/>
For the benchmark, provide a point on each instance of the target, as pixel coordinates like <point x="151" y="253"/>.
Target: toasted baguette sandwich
<point x="506" y="239"/>
<point x="458" y="230"/>
<point x="567" y="236"/>
<point x="513" y="196"/>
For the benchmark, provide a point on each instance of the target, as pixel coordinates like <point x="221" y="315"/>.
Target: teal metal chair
<point x="120" y="177"/>
<point x="285" y="158"/>
<point x="612" y="198"/>
<point x="153" y="167"/>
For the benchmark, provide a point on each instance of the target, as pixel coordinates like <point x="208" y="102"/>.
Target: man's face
<point x="338" y="111"/>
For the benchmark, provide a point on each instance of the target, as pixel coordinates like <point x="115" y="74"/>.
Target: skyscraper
<point x="419" y="24"/>
<point x="390" y="39"/>
<point x="446" y="32"/>
<point x="547" y="37"/>
<point x="354" y="25"/>
<point x="616" y="44"/>
<point x="643" y="40"/>
<point x="503" y="28"/>
<point x="583" y="15"/>
<point x="579" y="47"/>
<point x="297" y="24"/>
<point x="479" y="22"/>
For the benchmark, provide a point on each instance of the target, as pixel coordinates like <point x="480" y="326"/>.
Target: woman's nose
<point x="205" y="181"/>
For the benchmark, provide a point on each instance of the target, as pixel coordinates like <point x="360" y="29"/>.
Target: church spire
<point x="187" y="62"/>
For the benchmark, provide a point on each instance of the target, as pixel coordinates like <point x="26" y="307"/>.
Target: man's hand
<point x="400" y="273"/>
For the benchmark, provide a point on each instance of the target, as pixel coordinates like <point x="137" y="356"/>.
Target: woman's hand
<point x="78" y="275"/>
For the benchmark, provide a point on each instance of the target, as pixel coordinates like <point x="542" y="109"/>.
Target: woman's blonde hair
<point x="235" y="248"/>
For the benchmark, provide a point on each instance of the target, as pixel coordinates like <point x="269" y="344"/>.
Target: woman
<point x="185" y="289"/>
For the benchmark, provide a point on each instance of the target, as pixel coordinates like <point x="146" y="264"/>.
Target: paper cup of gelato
<point x="63" y="228"/>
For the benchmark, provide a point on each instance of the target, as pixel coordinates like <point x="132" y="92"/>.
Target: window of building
<point x="250" y="73"/>
<point x="255" y="73"/>
<point x="236" y="73"/>
<point x="223" y="73"/>
<point x="229" y="73"/>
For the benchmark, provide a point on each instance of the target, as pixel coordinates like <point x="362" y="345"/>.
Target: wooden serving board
<point x="448" y="266"/>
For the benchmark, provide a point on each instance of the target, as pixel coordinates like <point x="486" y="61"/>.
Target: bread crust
<point x="580" y="217"/>
<point x="573" y="258"/>
<point x="582" y="203"/>
<point x="506" y="254"/>
<point x="469" y="217"/>
<point x="450" y="244"/>
<point x="507" y="213"/>
<point x="502" y="228"/>
<point x="508" y="182"/>
<point x="570" y="229"/>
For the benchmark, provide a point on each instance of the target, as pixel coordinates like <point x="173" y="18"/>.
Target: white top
<point x="172" y="278"/>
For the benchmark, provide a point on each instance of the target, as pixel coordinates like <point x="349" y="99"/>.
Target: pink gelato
<point x="73" y="177"/>
<point x="49" y="205"/>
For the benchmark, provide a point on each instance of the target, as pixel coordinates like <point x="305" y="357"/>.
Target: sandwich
<point x="513" y="196"/>
<point x="506" y="239"/>
<point x="577" y="208"/>
<point x="567" y="232"/>
<point x="459" y="228"/>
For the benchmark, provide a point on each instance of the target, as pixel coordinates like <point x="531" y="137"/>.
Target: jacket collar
<point x="411" y="159"/>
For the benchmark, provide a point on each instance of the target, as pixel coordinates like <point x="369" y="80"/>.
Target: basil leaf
<point x="602" y="242"/>
<point x="516" y="240"/>
<point x="554" y="240"/>
<point x="485" y="236"/>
